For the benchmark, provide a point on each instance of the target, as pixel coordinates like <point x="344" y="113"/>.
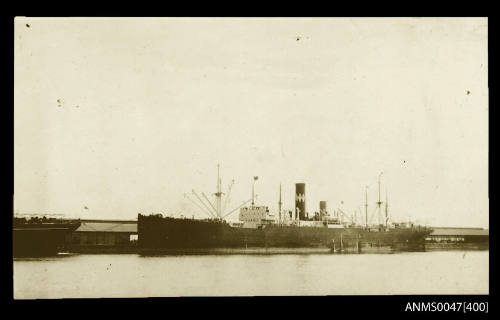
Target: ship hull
<point x="183" y="235"/>
<point x="267" y="250"/>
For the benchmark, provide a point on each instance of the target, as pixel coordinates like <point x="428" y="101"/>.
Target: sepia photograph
<point x="242" y="157"/>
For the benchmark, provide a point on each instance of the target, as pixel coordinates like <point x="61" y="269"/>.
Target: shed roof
<point x="107" y="227"/>
<point x="460" y="232"/>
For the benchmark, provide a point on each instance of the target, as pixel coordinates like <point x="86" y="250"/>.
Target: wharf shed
<point x="465" y="235"/>
<point x="102" y="234"/>
<point x="457" y="239"/>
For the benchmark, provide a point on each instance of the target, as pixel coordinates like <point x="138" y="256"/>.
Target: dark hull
<point x="174" y="235"/>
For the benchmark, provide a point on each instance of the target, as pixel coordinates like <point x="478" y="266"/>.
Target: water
<point x="131" y="275"/>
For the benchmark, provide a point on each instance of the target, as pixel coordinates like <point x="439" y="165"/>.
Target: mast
<point x="279" y="207"/>
<point x="379" y="203"/>
<point x="217" y="211"/>
<point x="386" y="208"/>
<point x="366" y="206"/>
<point x="218" y="194"/>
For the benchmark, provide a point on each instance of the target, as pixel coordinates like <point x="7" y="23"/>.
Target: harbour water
<point x="132" y="275"/>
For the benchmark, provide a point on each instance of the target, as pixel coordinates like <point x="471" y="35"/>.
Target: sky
<point x="119" y="116"/>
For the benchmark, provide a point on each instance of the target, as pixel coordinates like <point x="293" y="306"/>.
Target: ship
<point x="259" y="231"/>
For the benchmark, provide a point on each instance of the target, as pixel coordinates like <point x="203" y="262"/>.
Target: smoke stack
<point x="323" y="211"/>
<point x="300" y="200"/>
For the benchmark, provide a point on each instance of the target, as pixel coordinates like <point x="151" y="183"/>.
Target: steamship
<point x="260" y="231"/>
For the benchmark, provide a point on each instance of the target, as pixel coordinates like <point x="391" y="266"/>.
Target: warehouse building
<point x="96" y="234"/>
<point x="458" y="238"/>
<point x="458" y="235"/>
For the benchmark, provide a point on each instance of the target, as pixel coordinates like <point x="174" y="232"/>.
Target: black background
<point x="330" y="307"/>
